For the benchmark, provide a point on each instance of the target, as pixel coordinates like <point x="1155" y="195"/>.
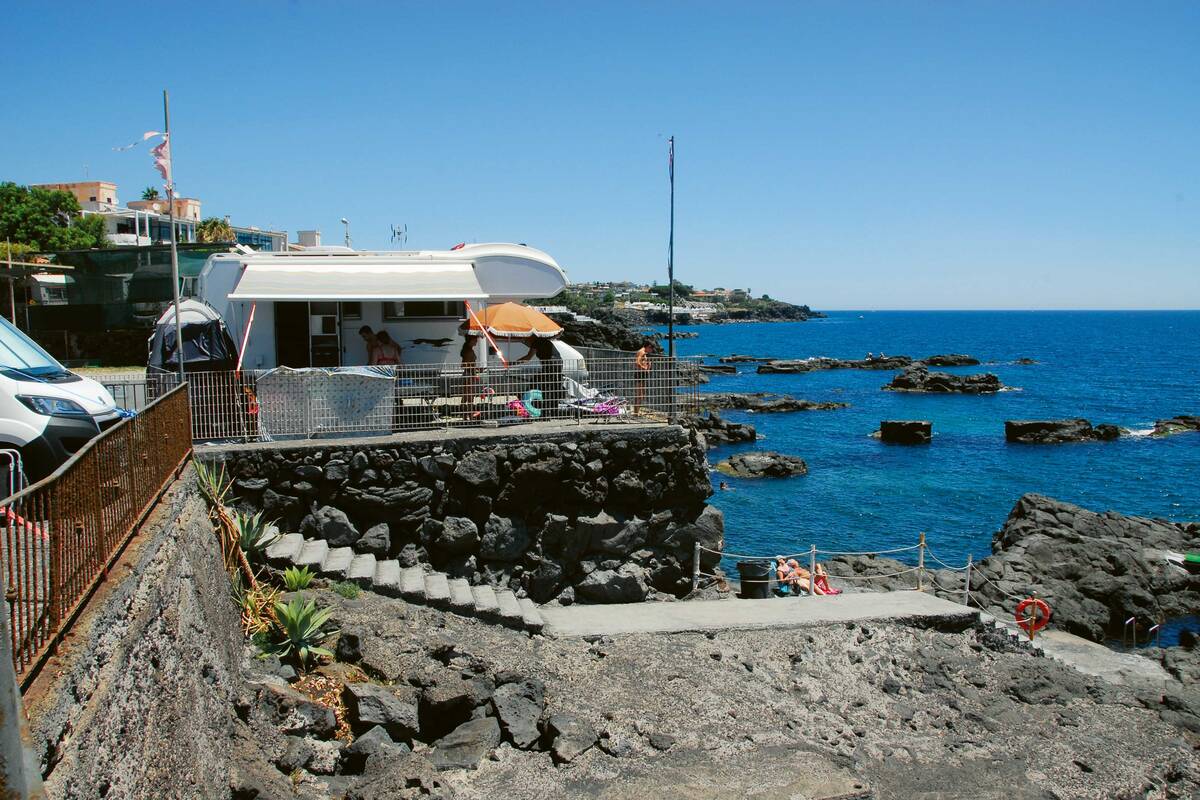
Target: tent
<point x="207" y="345"/>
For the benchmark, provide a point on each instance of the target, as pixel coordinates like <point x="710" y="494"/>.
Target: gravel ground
<point x="883" y="711"/>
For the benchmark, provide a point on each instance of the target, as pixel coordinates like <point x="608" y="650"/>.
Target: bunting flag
<point x="131" y="145"/>
<point x="162" y="159"/>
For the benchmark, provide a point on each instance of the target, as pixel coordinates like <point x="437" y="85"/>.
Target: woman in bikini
<point x="790" y="573"/>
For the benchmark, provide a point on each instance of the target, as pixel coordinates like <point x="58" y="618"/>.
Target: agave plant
<point x="297" y="629"/>
<point x="214" y="483"/>
<point x="254" y="534"/>
<point x="297" y="578"/>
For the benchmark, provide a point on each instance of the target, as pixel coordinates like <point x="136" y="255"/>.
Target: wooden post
<point x="696" y="566"/>
<point x="812" y="570"/>
<point x="967" y="586"/>
<point x="921" y="563"/>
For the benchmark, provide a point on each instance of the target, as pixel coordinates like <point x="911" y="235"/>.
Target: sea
<point x="1123" y="367"/>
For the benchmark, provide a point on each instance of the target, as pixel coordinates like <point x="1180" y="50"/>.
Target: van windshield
<point x="19" y="353"/>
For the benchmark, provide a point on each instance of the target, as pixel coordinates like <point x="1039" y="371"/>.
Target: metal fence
<point x="287" y="404"/>
<point x="61" y="535"/>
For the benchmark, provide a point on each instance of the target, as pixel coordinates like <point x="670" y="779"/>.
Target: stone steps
<point x="414" y="584"/>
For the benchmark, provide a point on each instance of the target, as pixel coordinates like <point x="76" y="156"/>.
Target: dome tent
<point x="207" y="344"/>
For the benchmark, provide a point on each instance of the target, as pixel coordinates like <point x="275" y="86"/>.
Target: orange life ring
<point x="1038" y="620"/>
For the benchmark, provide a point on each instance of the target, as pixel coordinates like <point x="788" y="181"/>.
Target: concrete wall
<point x="605" y="513"/>
<point x="139" y="700"/>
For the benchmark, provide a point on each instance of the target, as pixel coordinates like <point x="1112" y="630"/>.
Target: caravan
<point x="305" y="309"/>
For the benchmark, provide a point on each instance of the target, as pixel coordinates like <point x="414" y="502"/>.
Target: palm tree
<point x="149" y="193"/>
<point x="215" y="229"/>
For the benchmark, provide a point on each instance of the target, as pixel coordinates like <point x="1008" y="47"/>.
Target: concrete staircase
<point x="414" y="584"/>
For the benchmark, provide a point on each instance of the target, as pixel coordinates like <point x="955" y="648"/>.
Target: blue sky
<point x="841" y="154"/>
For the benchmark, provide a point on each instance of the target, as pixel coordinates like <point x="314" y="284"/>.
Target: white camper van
<point x="46" y="411"/>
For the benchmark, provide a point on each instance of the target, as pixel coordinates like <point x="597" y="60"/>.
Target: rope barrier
<point x="872" y="577"/>
<point x="931" y="554"/>
<point x="727" y="554"/>
<point x="868" y="552"/>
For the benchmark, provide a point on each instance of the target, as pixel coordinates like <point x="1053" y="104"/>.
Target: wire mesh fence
<point x="60" y="535"/>
<point x="288" y="404"/>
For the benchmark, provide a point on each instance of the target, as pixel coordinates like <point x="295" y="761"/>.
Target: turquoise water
<point x="1127" y="368"/>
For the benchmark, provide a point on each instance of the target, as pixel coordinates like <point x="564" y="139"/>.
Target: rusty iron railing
<point x="62" y="534"/>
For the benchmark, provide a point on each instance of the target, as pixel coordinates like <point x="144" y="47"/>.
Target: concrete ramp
<point x="736" y="614"/>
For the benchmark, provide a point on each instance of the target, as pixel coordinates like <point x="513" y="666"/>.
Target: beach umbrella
<point x="513" y="321"/>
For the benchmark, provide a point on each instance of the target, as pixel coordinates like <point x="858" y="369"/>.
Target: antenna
<point x="400" y="234"/>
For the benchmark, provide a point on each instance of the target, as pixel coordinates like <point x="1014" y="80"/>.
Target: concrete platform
<point x="1092" y="658"/>
<point x="735" y="614"/>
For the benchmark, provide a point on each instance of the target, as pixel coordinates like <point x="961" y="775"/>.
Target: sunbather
<point x="790" y="573"/>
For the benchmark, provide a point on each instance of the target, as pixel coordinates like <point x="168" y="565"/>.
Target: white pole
<point x="171" y="223"/>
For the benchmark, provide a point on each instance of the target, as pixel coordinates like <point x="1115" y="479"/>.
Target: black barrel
<point x="755" y="577"/>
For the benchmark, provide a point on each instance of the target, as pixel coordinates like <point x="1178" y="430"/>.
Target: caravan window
<point x="19" y="352"/>
<point x="411" y="309"/>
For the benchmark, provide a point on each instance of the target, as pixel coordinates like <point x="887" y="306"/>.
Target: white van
<point x="46" y="411"/>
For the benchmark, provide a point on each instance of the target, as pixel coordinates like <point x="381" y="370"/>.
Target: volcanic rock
<point x="1095" y="570"/>
<point x="906" y="431"/>
<point x="950" y="360"/>
<point x="1056" y="431"/>
<point x="717" y="430"/>
<point x="763" y="402"/>
<point x="466" y="745"/>
<point x="1180" y="424"/>
<point x="626" y="584"/>
<point x="518" y="706"/>
<point x="369" y="704"/>
<point x="570" y="737"/>
<point x="918" y="378"/>
<point x="762" y="464"/>
<point x="332" y="525"/>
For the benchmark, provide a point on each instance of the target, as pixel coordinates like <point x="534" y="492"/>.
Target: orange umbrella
<point x="513" y="321"/>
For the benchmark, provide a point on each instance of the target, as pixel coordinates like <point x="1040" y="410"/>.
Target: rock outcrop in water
<point x="1057" y="431"/>
<point x="918" y="378"/>
<point x="718" y="431"/>
<point x="875" y="362"/>
<point x="1181" y="424"/>
<point x="905" y="431"/>
<point x="762" y="464"/>
<point x="764" y="402"/>
<point x="823" y="363"/>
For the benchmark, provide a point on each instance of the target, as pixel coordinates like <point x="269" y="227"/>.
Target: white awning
<point x="346" y="280"/>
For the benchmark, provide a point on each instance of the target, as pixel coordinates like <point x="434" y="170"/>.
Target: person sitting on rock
<point x="789" y="573"/>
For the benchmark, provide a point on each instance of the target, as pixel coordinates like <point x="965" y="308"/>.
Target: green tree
<point x="215" y="229"/>
<point x="682" y="290"/>
<point x="149" y="193"/>
<point x="46" y="219"/>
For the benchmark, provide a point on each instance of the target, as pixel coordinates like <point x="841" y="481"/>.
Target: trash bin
<point x="755" y="577"/>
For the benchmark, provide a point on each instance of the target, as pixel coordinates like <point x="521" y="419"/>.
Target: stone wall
<point x="139" y="700"/>
<point x="598" y="514"/>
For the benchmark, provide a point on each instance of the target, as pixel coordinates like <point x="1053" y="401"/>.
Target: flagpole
<point x="171" y="222"/>
<point x="671" y="256"/>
